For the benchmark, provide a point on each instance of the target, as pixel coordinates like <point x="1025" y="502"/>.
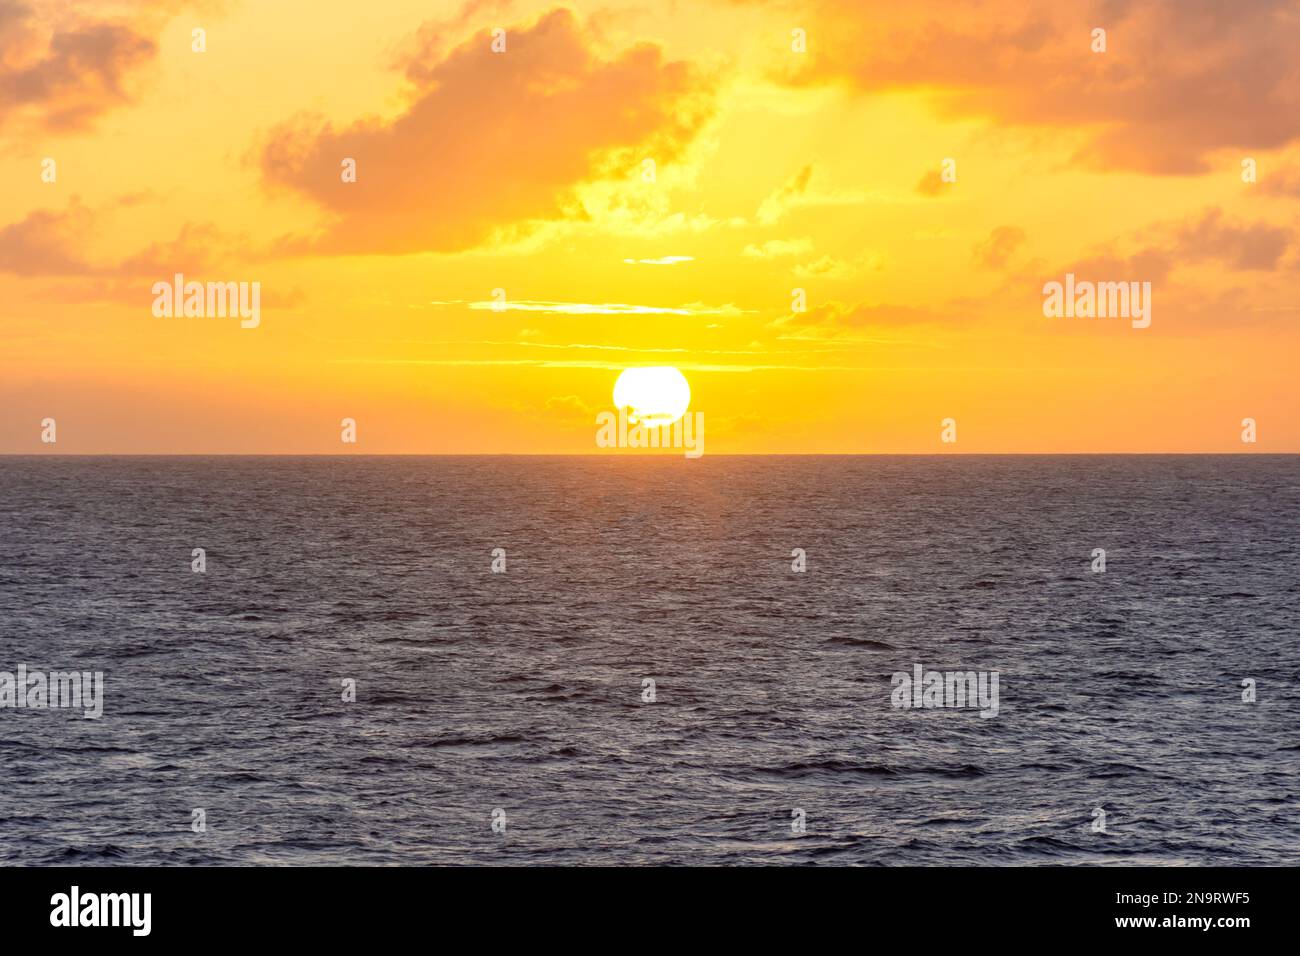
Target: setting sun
<point x="655" y="396"/>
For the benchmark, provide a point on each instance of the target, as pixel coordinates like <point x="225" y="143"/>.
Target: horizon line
<point x="668" y="455"/>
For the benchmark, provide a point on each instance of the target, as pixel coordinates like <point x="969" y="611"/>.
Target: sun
<point x="655" y="396"/>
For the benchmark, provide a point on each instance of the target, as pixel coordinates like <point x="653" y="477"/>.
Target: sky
<point x="836" y="218"/>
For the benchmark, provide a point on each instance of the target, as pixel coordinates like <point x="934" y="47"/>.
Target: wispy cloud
<point x="775" y="248"/>
<point x="800" y="191"/>
<point x="600" y="308"/>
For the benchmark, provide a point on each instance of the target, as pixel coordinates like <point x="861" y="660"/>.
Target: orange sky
<point x="525" y="171"/>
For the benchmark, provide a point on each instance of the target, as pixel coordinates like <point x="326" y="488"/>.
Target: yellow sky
<point x="524" y="171"/>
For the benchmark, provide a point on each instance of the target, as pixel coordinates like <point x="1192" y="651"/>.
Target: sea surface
<point x="519" y="696"/>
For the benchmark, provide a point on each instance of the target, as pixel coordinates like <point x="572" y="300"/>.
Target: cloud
<point x="1258" y="246"/>
<point x="1151" y="254"/>
<point x="431" y="40"/>
<point x="490" y="141"/>
<point x="1285" y="182"/>
<point x="599" y="308"/>
<point x="44" y="243"/>
<point x="784" y="197"/>
<point x="845" y="316"/>
<point x="569" y="409"/>
<point x="1209" y="237"/>
<point x="60" y="70"/>
<point x="827" y="267"/>
<point x="52" y="243"/>
<point x="931" y="184"/>
<point x="994" y="251"/>
<point x="1179" y="78"/>
<point x="194" y="250"/>
<point x="775" y="248"/>
<point x="799" y="191"/>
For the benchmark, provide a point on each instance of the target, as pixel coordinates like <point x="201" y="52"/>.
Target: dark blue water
<point x="522" y="691"/>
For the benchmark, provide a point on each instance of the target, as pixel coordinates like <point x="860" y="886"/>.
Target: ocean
<point x="508" y="717"/>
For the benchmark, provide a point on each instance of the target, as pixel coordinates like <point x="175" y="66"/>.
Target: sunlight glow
<point x="656" y="396"/>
